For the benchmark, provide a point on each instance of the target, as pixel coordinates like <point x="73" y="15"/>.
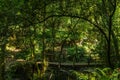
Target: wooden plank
<point x="67" y="65"/>
<point x="56" y="64"/>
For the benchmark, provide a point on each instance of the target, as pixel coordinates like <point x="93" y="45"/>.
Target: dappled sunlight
<point x="12" y="48"/>
<point x="59" y="39"/>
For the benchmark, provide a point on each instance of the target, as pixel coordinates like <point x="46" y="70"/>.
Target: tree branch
<point x="79" y="17"/>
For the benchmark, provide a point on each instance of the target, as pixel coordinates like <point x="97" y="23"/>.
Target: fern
<point x="106" y="74"/>
<point x="77" y="75"/>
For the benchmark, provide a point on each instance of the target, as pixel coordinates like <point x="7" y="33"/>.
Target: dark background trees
<point x="59" y="31"/>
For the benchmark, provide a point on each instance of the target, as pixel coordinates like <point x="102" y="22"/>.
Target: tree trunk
<point x="2" y="64"/>
<point x="109" y="42"/>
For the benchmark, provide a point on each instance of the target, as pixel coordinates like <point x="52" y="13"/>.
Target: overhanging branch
<point x="79" y="17"/>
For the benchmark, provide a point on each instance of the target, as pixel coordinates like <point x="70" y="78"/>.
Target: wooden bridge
<point x="68" y="64"/>
<point x="72" y="65"/>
